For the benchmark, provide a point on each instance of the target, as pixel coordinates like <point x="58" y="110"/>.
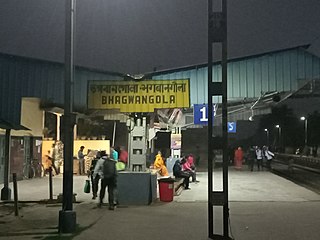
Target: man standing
<point x="251" y="157"/>
<point x="107" y="167"/>
<point x="52" y="158"/>
<point x="81" y="160"/>
<point x="259" y="157"/>
<point x="268" y="155"/>
<point x="95" y="180"/>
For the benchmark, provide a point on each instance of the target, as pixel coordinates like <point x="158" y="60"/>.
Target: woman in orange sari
<point x="238" y="158"/>
<point x="159" y="164"/>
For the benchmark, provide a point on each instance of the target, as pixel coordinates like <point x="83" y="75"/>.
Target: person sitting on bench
<point x="160" y="165"/>
<point x="190" y="168"/>
<point x="178" y="173"/>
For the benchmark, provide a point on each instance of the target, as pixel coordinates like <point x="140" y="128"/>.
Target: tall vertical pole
<point x="306" y="132"/>
<point x="217" y="33"/>
<point x="58" y="116"/>
<point x="67" y="217"/>
<point x="6" y="191"/>
<point x="210" y="120"/>
<point x="280" y="138"/>
<point x="225" y="122"/>
<point x="15" y="194"/>
<point x="114" y="132"/>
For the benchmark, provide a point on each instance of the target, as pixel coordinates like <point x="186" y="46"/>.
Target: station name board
<point x="142" y="96"/>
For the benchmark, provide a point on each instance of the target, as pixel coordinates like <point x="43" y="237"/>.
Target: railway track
<point x="301" y="170"/>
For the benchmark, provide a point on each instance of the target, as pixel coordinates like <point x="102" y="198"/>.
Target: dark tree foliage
<point x="314" y="129"/>
<point x="292" y="128"/>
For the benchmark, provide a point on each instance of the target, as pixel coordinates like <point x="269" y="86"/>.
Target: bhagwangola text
<point x="158" y="99"/>
<point x="173" y="87"/>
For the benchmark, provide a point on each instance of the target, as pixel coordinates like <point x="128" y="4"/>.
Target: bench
<point x="178" y="186"/>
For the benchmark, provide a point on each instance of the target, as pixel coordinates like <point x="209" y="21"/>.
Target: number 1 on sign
<point x="204" y="117"/>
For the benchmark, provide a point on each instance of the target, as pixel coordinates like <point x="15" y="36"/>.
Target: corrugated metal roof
<point x="250" y="77"/>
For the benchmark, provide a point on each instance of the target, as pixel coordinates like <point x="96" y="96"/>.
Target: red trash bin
<point x="166" y="189"/>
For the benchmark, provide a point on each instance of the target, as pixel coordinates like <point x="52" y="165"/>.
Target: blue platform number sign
<point x="200" y="113"/>
<point x="232" y="127"/>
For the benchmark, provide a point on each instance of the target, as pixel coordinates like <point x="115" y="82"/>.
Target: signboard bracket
<point x="216" y="88"/>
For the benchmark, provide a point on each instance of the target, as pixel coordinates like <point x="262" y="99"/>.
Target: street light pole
<point x="305" y="130"/>
<point x="279" y="128"/>
<point x="267" y="132"/>
<point x="67" y="217"/>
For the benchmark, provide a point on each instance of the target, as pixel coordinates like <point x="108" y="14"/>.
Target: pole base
<point x="220" y="237"/>
<point x="6" y="193"/>
<point x="67" y="221"/>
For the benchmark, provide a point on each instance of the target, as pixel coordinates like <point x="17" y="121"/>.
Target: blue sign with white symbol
<point x="200" y="113"/>
<point x="232" y="127"/>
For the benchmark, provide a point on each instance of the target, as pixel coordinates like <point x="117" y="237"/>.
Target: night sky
<point x="136" y="36"/>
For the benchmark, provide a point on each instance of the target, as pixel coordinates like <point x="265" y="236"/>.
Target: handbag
<point x="86" y="188"/>
<point x="120" y="166"/>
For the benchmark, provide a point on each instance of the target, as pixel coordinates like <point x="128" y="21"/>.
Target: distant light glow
<point x="303" y="118"/>
<point x="278" y="126"/>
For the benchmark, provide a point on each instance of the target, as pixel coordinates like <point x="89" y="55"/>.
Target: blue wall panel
<point x="243" y="79"/>
<point x="249" y="77"/>
<point x="301" y="65"/>
<point x="286" y="73"/>
<point x="315" y="67"/>
<point x="23" y="77"/>
<point x="257" y="76"/>
<point x="264" y="72"/>
<point x="293" y="69"/>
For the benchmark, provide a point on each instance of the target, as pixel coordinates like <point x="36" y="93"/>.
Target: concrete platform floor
<point x="263" y="206"/>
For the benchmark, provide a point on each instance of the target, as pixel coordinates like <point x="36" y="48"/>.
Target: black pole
<point x="225" y="123"/>
<point x="217" y="33"/>
<point x="15" y="194"/>
<point x="50" y="184"/>
<point x="67" y="217"/>
<point x="210" y="120"/>
<point x="6" y="191"/>
<point x="68" y="139"/>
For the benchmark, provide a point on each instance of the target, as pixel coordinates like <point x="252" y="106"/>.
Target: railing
<point x="299" y="161"/>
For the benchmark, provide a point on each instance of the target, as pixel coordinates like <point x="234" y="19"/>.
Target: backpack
<point x="93" y="164"/>
<point x="176" y="168"/>
<point x="109" y="168"/>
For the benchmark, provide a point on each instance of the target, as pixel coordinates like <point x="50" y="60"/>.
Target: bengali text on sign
<point x="142" y="96"/>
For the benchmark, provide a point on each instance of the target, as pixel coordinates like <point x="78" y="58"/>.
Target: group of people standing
<point x="116" y="153"/>
<point x="257" y="154"/>
<point x="262" y="154"/>
<point x="104" y="168"/>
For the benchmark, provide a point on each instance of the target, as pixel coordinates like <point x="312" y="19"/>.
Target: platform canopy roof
<point x="7" y="125"/>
